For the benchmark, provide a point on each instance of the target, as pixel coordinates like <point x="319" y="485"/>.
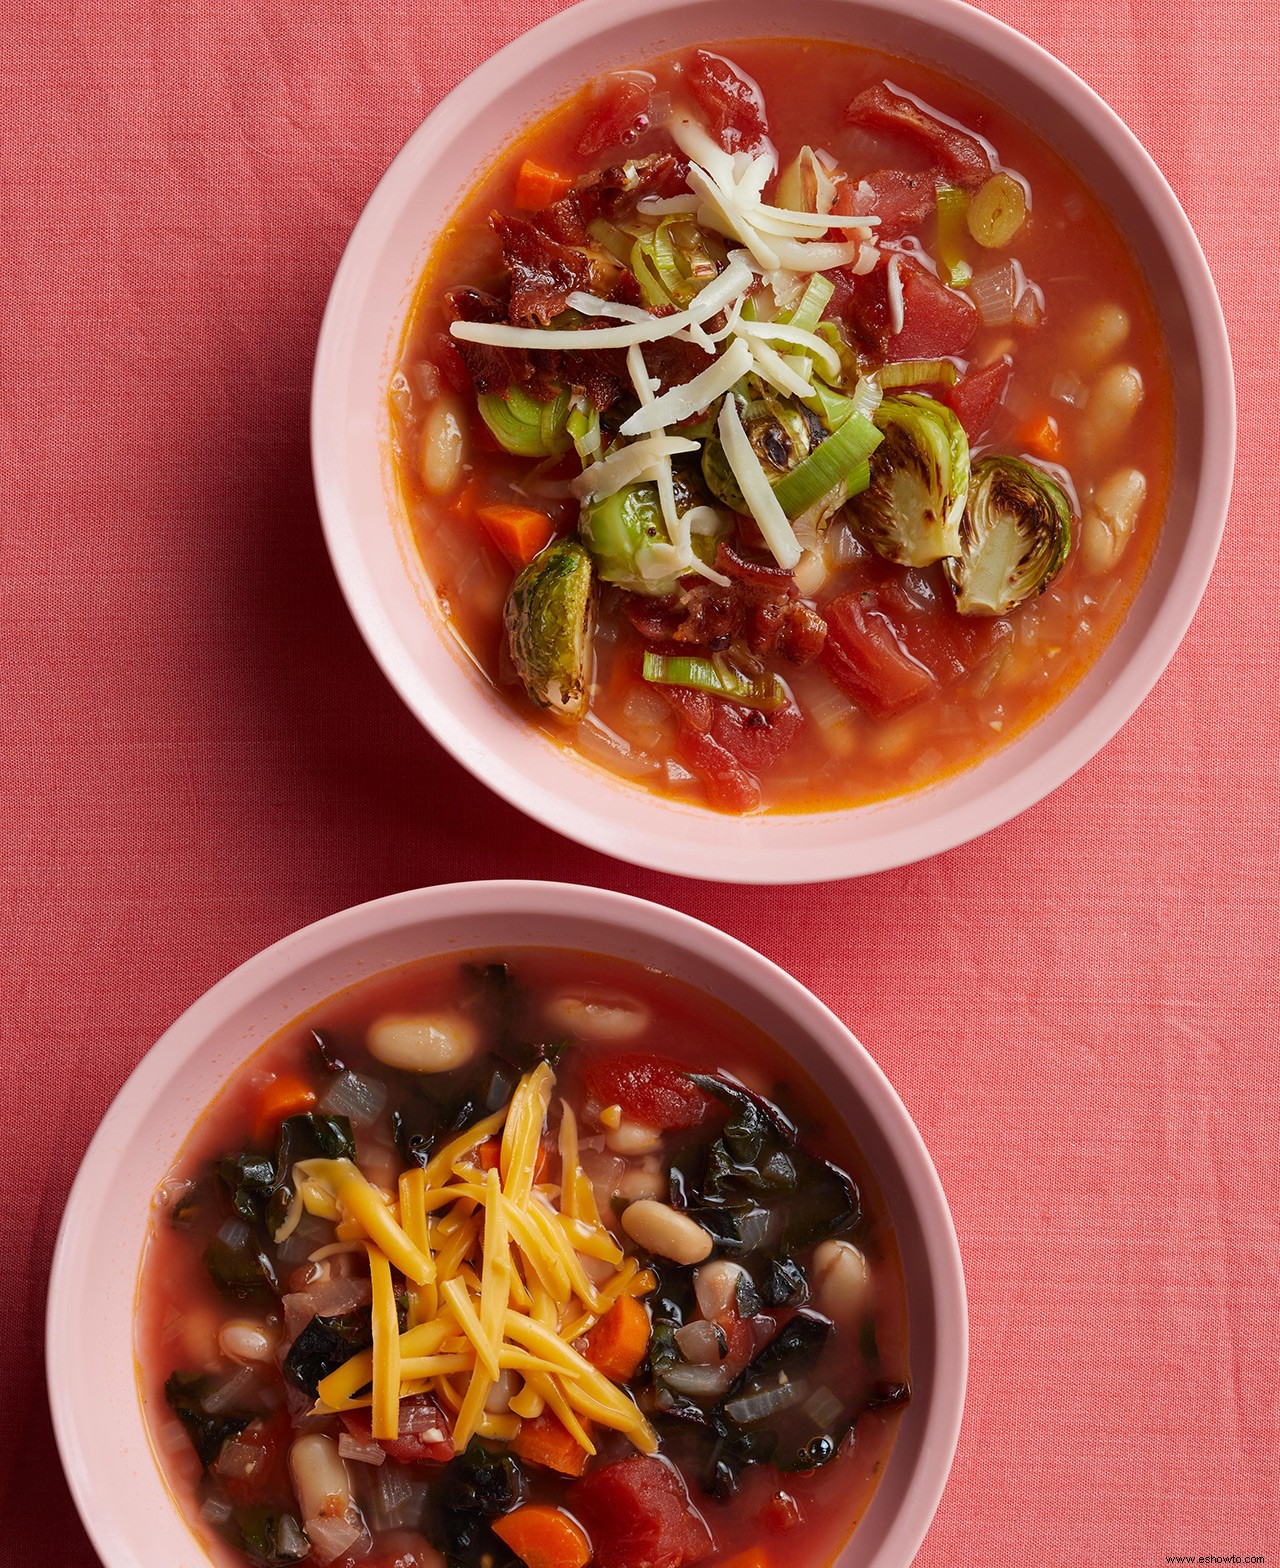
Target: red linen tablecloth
<point x="199" y="756"/>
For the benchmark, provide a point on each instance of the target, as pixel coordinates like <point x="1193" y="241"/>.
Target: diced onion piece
<point x="757" y="1407"/>
<point x="697" y="1381"/>
<point x="691" y="397"/>
<point x="755" y="487"/>
<point x="992" y="292"/>
<point x="701" y="1343"/>
<point x="363" y="1453"/>
<point x="823" y="1408"/>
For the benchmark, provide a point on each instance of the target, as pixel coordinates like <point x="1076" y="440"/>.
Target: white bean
<point x="641" y="1182"/>
<point x="320" y="1478"/>
<point x="1114" y="400"/>
<point x="1099" y="334"/>
<point x="444" y="446"/>
<point x="716" y="1287"/>
<point x="247" y="1342"/>
<point x="498" y="1400"/>
<point x="842" y="1280"/>
<point x="1110" y="518"/>
<point x="597" y="1017"/>
<point x="424" y="1042"/>
<point x="657" y="1227"/>
<point x="633" y="1138"/>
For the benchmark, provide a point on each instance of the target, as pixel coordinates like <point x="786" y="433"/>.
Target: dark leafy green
<point x="246" y="1270"/>
<point x="267" y="1538"/>
<point x="324" y="1345"/>
<point x="185" y="1393"/>
<point x="480" y="1485"/>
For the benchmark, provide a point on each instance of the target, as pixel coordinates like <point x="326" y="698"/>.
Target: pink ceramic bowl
<point x="386" y="586"/>
<point x="92" y="1381"/>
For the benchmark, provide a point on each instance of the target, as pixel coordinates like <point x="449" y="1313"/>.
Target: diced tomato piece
<point x="726" y="744"/>
<point x="650" y="1090"/>
<point x="936" y="320"/>
<point x="755" y="739"/>
<point x="424" y="1436"/>
<point x="728" y="784"/>
<point x="901" y="201"/>
<point x="781" y="1512"/>
<point x="260" y="1460"/>
<point x="866" y="658"/>
<point x="977" y="395"/>
<point x="620" y="112"/>
<point x="731" y="102"/>
<point x="639" y="1515"/>
<point x="961" y="157"/>
<point x="926" y="624"/>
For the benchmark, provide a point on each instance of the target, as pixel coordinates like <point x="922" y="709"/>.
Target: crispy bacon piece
<point x="544" y="272"/>
<point x="492" y="369"/>
<point x="730" y="101"/>
<point x="959" y="156"/>
<point x="767" y="619"/>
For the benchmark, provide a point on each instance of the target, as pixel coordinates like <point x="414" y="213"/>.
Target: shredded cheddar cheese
<point x="505" y="1271"/>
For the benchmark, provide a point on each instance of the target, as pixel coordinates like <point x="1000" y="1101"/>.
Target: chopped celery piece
<point x="829" y="464"/>
<point x="524" y="426"/>
<point x="953" y="208"/>
<point x="717" y="676"/>
<point x="816" y="298"/>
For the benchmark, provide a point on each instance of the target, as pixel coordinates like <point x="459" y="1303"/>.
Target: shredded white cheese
<point x="756" y="489"/>
<point x="684" y="401"/>
<point x="894" y="283"/>
<point x="628" y="466"/>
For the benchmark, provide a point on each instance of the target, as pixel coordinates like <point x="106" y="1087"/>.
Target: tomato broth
<point x="1068" y="374"/>
<point x="253" y="1296"/>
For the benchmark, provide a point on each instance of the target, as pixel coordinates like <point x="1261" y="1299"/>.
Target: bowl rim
<point x="250" y="983"/>
<point x="903" y="828"/>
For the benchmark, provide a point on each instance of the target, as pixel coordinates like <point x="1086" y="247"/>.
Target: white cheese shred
<point x="756" y="489"/>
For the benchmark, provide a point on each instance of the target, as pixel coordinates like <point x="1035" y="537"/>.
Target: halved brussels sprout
<point x="627" y="537"/>
<point x="1014" y="538"/>
<point x="549" y="624"/>
<point x="910" y="512"/>
<point x="781" y="437"/>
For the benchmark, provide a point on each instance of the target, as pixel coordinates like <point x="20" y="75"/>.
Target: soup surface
<point x="782" y="427"/>
<point x="529" y="1257"/>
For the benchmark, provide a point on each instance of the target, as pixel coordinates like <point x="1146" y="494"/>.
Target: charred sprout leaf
<point x="1014" y="538"/>
<point x="911" y="510"/>
<point x="627" y="537"/>
<point x="267" y="1538"/>
<point x="719" y="477"/>
<point x="185" y="1392"/>
<point x="325" y="1345"/>
<point x="548" y="621"/>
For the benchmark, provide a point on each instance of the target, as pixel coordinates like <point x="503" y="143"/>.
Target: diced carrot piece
<point x="1042" y="437"/>
<point x="518" y="531"/>
<point x="547" y="1441"/>
<point x="490" y="1152"/>
<point x="544" y="1537"/>
<point x="753" y="1557"/>
<point x="284" y="1096"/>
<point x="616" y="1345"/>
<point x="537" y="186"/>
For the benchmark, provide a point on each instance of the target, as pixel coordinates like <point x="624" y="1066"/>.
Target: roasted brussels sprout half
<point x="627" y="537"/>
<point x="1014" y="537"/>
<point x="910" y="512"/>
<point x="549" y="622"/>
